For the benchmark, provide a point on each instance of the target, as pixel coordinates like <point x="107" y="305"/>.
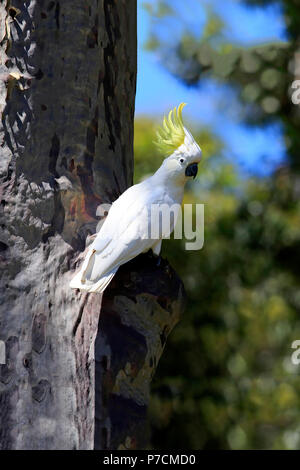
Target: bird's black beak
<point x="192" y="170"/>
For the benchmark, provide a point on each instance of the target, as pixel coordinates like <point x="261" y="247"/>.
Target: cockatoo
<point x="125" y="232"/>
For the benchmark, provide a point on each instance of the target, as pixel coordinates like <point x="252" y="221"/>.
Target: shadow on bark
<point x="139" y="309"/>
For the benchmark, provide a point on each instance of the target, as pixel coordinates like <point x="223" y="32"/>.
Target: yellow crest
<point x="171" y="135"/>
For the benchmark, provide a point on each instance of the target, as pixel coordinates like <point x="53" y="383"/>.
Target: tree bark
<point x="68" y="72"/>
<point x="139" y="309"/>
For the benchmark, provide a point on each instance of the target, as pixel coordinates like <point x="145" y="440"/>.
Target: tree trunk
<point x="68" y="72"/>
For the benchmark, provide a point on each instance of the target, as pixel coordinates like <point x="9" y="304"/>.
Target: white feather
<point x="125" y="232"/>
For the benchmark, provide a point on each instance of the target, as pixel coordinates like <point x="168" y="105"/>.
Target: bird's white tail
<point x="88" y="286"/>
<point x="83" y="281"/>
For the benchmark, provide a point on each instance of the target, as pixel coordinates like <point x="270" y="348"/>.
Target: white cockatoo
<point x="127" y="229"/>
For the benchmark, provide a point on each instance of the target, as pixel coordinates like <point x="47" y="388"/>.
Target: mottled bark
<point x="67" y="89"/>
<point x="139" y="309"/>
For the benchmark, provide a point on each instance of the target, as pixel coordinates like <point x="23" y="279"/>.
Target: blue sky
<point x="256" y="150"/>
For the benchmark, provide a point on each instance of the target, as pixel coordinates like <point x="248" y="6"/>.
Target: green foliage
<point x="214" y="26"/>
<point x="159" y="10"/>
<point x="226" y="379"/>
<point x="262" y="74"/>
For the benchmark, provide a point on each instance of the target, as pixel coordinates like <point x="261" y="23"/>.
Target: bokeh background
<point x="226" y="379"/>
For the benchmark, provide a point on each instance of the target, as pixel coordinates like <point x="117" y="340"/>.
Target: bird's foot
<point x="157" y="257"/>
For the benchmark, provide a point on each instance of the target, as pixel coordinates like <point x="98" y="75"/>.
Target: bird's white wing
<point x="123" y="236"/>
<point x="121" y="215"/>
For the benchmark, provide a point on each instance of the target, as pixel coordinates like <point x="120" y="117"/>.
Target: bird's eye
<point x="181" y="160"/>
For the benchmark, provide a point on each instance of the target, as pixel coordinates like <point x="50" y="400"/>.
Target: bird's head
<point x="173" y="138"/>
